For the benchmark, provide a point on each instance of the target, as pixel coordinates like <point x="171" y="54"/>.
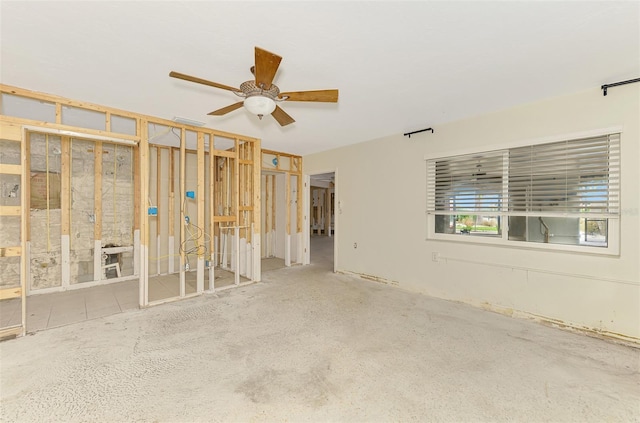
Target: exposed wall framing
<point x="13" y="260"/>
<point x="282" y="191"/>
<point x="321" y="210"/>
<point x="83" y="221"/>
<point x="226" y="208"/>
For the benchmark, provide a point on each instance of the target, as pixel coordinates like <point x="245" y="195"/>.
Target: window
<point x="555" y="194"/>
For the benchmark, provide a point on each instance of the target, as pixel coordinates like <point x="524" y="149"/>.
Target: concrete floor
<point x="310" y="345"/>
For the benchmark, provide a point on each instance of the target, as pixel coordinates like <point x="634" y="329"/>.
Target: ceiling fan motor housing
<point x="258" y="101"/>
<point x="250" y="89"/>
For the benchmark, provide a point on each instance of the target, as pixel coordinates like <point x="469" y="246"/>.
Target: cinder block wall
<point x="118" y="200"/>
<point x="82" y="211"/>
<point x="10" y="193"/>
<point x="45" y="214"/>
<point x="45" y="253"/>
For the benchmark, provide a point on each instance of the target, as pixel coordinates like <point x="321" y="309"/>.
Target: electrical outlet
<point x="435" y="257"/>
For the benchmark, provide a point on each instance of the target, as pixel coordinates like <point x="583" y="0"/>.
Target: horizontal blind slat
<point x="577" y="176"/>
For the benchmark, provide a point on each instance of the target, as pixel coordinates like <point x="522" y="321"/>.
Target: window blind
<point x="579" y="176"/>
<point x="573" y="177"/>
<point x="469" y="183"/>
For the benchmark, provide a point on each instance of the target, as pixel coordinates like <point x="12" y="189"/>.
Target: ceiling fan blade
<point x="201" y="81"/>
<point x="282" y="117"/>
<point x="327" y="96"/>
<point x="266" y="66"/>
<point x="227" y="109"/>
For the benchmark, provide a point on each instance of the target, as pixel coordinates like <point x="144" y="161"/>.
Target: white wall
<point x="382" y="194"/>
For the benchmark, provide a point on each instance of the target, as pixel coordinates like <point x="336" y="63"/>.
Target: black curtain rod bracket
<point x="615" y="84"/>
<point x="408" y="134"/>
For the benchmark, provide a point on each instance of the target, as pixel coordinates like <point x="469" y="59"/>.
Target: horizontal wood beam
<point x="224" y="153"/>
<point x="10" y="251"/>
<point x="8" y="293"/>
<point x="22" y="92"/>
<point x="278" y="153"/>
<point x="75" y="129"/>
<point x="118" y="112"/>
<point x="10" y="210"/>
<point x="224" y="218"/>
<point x="10" y="169"/>
<point x="9" y="332"/>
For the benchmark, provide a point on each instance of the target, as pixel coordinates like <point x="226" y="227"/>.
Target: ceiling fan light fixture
<point x="259" y="105"/>
<point x="260" y="94"/>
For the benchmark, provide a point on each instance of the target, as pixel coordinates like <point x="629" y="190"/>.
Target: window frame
<point x="502" y="240"/>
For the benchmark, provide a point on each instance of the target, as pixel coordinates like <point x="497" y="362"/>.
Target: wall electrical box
<point x="191" y="194"/>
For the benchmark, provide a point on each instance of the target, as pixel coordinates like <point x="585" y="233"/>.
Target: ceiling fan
<point x="260" y="95"/>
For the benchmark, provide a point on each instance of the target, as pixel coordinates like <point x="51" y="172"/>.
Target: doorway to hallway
<point x="322" y="225"/>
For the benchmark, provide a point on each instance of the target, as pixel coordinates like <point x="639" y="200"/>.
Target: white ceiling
<point x="399" y="66"/>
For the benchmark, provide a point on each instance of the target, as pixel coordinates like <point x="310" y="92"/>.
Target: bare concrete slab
<point x="309" y="345"/>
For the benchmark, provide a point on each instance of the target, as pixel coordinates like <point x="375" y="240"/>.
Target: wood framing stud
<point x="65" y="189"/>
<point x="200" y="193"/>
<point x="172" y="193"/>
<point x="97" y="183"/>
<point x="183" y="175"/>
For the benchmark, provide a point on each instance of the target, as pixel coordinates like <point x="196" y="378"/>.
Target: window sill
<point x="523" y="245"/>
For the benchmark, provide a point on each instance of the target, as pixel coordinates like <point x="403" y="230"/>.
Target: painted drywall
<point x="382" y="198"/>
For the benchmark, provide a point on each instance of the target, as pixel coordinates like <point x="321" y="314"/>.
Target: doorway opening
<point x="322" y="219"/>
<point x="281" y="210"/>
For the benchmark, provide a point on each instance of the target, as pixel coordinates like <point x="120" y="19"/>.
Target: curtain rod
<point x="615" y="84"/>
<point x="408" y="134"/>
